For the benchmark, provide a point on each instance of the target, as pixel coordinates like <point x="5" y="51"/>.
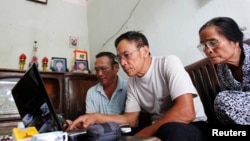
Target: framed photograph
<point x="73" y="42"/>
<point x="40" y="1"/>
<point x="59" y="64"/>
<point x="82" y="65"/>
<point x="80" y="54"/>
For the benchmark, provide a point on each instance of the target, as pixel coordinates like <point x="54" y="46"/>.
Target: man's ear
<point x="146" y="50"/>
<point x="116" y="67"/>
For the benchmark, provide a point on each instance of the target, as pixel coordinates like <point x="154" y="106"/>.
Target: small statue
<point x="45" y="63"/>
<point x="34" y="58"/>
<point x="22" y="59"/>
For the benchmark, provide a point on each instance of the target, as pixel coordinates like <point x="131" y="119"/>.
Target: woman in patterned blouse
<point x="221" y="40"/>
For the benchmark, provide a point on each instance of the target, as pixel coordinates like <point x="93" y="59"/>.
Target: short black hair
<point x="135" y="36"/>
<point x="110" y="55"/>
<point x="59" y="61"/>
<point x="227" y="27"/>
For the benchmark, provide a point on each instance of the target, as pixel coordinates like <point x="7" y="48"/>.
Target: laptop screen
<point x="33" y="103"/>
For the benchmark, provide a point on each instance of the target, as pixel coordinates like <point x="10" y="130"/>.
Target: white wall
<point x="51" y="25"/>
<point x="170" y="25"/>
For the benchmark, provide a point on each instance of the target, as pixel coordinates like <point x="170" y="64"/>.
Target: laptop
<point x="35" y="108"/>
<point x="34" y="105"/>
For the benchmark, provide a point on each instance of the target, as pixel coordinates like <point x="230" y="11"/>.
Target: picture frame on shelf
<point x="80" y="54"/>
<point x="58" y="64"/>
<point x="40" y="1"/>
<point x="81" y="66"/>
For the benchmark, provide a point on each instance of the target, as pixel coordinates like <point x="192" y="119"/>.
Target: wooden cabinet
<point x="76" y="86"/>
<point x="67" y="92"/>
<point x="54" y="84"/>
<point x="9" y="115"/>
